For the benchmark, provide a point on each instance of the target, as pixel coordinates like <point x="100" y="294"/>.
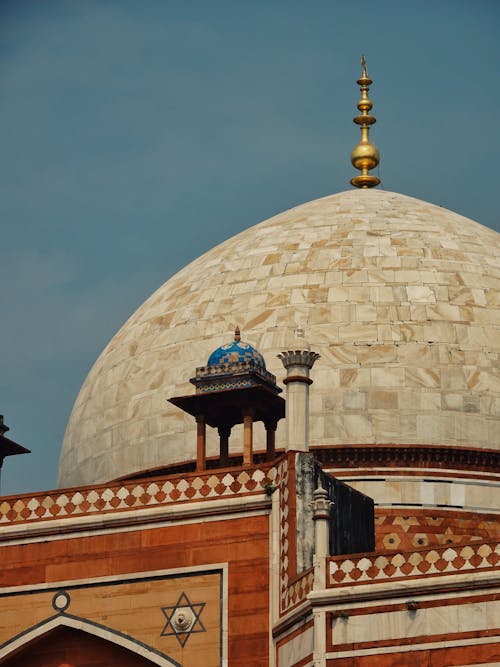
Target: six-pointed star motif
<point x="183" y="619"/>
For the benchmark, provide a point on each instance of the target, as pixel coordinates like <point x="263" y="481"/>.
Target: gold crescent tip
<point x="364" y="73"/>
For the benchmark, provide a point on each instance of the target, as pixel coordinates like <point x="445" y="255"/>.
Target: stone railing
<point x="123" y="496"/>
<point x="296" y="592"/>
<point x="379" y="568"/>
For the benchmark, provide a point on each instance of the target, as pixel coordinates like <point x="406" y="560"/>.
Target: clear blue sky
<point x="136" y="135"/>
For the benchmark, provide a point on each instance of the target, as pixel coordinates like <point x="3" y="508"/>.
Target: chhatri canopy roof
<point x="400" y="298"/>
<point x="237" y="351"/>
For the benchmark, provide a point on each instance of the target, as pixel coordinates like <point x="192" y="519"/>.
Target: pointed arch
<point x="90" y="628"/>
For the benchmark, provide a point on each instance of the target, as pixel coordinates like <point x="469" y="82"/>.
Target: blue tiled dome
<point x="234" y="352"/>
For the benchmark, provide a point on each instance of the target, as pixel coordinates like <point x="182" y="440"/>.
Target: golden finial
<point x="365" y="156"/>
<point x="237" y="335"/>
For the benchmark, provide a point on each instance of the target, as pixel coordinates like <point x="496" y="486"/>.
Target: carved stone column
<point x="247" y="438"/>
<point x="321" y="506"/>
<point x="271" y="439"/>
<point x="321" y="517"/>
<point x="298" y="364"/>
<point x="224" y="433"/>
<point x="201" y="446"/>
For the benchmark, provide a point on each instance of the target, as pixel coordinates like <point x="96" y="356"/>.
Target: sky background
<point x="134" y="136"/>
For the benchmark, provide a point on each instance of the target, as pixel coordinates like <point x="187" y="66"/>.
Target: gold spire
<point x="365" y="156"/>
<point x="237" y="335"/>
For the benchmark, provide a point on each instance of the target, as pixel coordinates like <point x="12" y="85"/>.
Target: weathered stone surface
<point x="399" y="297"/>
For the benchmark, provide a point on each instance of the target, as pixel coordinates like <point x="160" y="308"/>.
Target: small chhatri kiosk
<point x="233" y="388"/>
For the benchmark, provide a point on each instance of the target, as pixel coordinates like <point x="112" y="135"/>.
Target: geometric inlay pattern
<point x="297" y="591"/>
<point x="380" y="568"/>
<point x="425" y="529"/>
<point x="102" y="499"/>
<point x="294" y="592"/>
<point x="183" y="619"/>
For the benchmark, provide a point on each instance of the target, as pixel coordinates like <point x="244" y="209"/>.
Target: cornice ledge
<point x="412" y="456"/>
<point x="296" y="615"/>
<point x="401" y="589"/>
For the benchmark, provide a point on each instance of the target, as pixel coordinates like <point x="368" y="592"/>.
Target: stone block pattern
<point x="115" y="498"/>
<point x="400" y="298"/>
<point x="416" y="564"/>
<point x="166" y="547"/>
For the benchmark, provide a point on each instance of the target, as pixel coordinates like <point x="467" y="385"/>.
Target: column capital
<point x="224" y="430"/>
<point x="298" y="358"/>
<point x="298" y="364"/>
<point x="271" y="425"/>
<point x="321" y="504"/>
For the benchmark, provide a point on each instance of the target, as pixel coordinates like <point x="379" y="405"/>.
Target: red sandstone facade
<point x="96" y="576"/>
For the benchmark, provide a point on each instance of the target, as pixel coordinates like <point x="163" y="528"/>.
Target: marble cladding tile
<point x="366" y="313"/>
<point x="336" y="294"/>
<point x="405" y="491"/>
<point x="420" y="294"/>
<point x="388" y="376"/>
<point x="351" y="277"/>
<point x="383" y="399"/>
<point x="359" y="332"/>
<point x="377" y="354"/>
<point x="356" y="427"/>
<point x="405" y="282"/>
<point x="492" y="297"/>
<point x="428" y="622"/>
<point x="388" y="332"/>
<point x="423" y="377"/>
<point x="383" y="294"/>
<point x="354" y="400"/>
<point x="355" y="377"/>
<point x="341" y="355"/>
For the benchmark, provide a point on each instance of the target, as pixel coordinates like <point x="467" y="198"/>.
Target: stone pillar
<point x="298" y="364"/>
<point x="201" y="447"/>
<point x="321" y="517"/>
<point x="321" y="506"/>
<point x="224" y="433"/>
<point x="247" y="438"/>
<point x="271" y="439"/>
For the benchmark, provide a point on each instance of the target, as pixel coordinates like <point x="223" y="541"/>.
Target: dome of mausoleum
<point x="399" y="297"/>
<point x="237" y="351"/>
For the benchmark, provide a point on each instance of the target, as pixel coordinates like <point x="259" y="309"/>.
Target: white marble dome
<point x="400" y="298"/>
